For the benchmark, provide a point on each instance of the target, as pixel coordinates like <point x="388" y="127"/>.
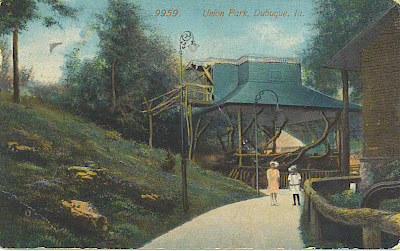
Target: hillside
<point x="50" y="158"/>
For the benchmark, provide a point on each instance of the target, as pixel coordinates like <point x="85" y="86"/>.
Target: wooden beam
<point x="339" y="147"/>
<point x="221" y="142"/>
<point x="208" y="75"/>
<point x="176" y="90"/>
<point x="190" y="130"/>
<point x="299" y="152"/>
<point x="198" y="133"/>
<point x="149" y="113"/>
<point x="345" y="124"/>
<point x="248" y="126"/>
<point x="240" y="143"/>
<point x="267" y="133"/>
<point x="275" y="138"/>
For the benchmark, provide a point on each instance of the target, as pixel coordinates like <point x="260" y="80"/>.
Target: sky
<point x="222" y="29"/>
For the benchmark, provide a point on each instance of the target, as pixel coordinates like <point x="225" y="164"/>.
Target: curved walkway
<point x="250" y="224"/>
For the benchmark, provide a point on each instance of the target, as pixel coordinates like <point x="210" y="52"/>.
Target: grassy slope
<point x="40" y="179"/>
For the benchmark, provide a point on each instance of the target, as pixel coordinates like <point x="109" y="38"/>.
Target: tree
<point x="14" y="17"/>
<point x="338" y="21"/>
<point x="133" y="63"/>
<point x="132" y="57"/>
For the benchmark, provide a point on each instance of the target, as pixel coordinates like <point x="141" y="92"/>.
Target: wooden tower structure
<point x="254" y="95"/>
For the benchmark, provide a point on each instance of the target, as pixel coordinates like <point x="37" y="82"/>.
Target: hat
<point x="292" y="168"/>
<point x="275" y="163"/>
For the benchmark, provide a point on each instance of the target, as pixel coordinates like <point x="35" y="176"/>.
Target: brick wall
<point x="381" y="92"/>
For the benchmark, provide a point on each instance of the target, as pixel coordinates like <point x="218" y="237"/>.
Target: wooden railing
<point x="372" y="221"/>
<point x="247" y="174"/>
<point x="198" y="94"/>
<point x="308" y="174"/>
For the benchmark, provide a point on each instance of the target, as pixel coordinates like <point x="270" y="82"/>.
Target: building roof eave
<point x="349" y="57"/>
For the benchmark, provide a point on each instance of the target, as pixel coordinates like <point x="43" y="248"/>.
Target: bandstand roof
<point x="297" y="103"/>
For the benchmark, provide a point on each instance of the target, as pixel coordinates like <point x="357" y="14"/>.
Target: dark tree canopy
<point x="338" y="21"/>
<point x="21" y="12"/>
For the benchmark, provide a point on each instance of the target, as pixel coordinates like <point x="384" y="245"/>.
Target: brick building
<point x="376" y="53"/>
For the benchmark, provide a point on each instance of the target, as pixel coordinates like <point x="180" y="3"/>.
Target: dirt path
<point x="250" y="224"/>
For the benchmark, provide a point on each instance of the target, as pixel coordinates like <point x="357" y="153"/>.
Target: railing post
<point x="371" y="238"/>
<point x="315" y="222"/>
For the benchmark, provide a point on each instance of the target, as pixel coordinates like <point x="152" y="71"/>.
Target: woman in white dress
<point x="294" y="184"/>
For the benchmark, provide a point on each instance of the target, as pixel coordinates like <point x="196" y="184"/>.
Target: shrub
<point x="129" y="231"/>
<point x="168" y="163"/>
<point x="346" y="199"/>
<point x="388" y="172"/>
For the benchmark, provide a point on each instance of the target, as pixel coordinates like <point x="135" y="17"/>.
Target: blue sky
<point x="218" y="36"/>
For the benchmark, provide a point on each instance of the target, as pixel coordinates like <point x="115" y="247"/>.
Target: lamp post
<point x="186" y="41"/>
<point x="256" y="99"/>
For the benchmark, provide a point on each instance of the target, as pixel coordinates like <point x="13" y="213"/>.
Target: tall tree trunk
<point x="16" y="96"/>
<point x="113" y="83"/>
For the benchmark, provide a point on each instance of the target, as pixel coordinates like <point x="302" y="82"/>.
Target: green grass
<point x="40" y="179"/>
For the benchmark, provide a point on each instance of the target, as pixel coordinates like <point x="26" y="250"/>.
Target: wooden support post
<point x="315" y="222"/>
<point x="371" y="238"/>
<point x="253" y="181"/>
<point x="345" y="124"/>
<point x="274" y="142"/>
<point x="221" y="142"/>
<point x="339" y="147"/>
<point x="240" y="143"/>
<point x="231" y="173"/>
<point x="190" y="131"/>
<point x="195" y="137"/>
<point x="149" y="113"/>
<point x="151" y="130"/>
<point x="198" y="133"/>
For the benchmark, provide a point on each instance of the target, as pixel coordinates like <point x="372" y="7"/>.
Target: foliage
<point x="15" y="16"/>
<point x="391" y="205"/>
<point x="142" y="64"/>
<point x="6" y="74"/>
<point x="6" y="70"/>
<point x="338" y="21"/>
<point x="168" y="163"/>
<point x="346" y="199"/>
<point x="389" y="172"/>
<point x="139" y="200"/>
<point x="21" y="12"/>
